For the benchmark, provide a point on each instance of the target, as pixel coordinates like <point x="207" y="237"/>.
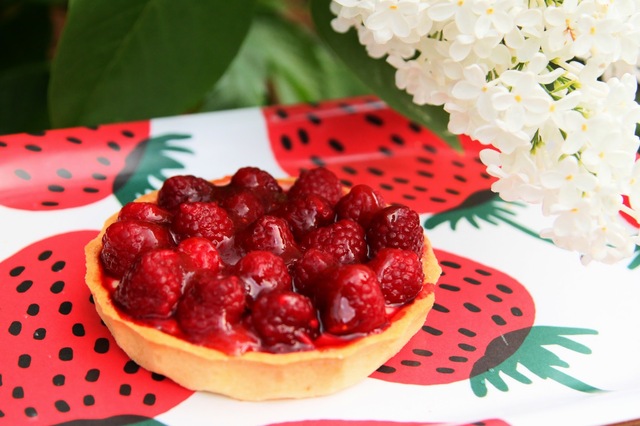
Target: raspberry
<point x="306" y="213"/>
<point x="310" y="268"/>
<point x="125" y="240"/>
<point x="153" y="285"/>
<point x="285" y="321"/>
<point x="201" y="252"/>
<point x="198" y="219"/>
<point x="146" y="212"/>
<point x="269" y="233"/>
<point x="263" y="270"/>
<point x="351" y="301"/>
<point x="395" y="226"/>
<point x="319" y="181"/>
<point x="243" y="207"/>
<point x="360" y="204"/>
<point x="210" y="303"/>
<point x="260" y="182"/>
<point x="184" y="189"/>
<point x="400" y="274"/>
<point x="344" y="239"/>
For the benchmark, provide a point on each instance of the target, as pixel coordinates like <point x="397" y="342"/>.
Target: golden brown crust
<point x="258" y="375"/>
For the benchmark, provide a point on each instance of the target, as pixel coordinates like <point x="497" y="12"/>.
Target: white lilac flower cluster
<point x="548" y="85"/>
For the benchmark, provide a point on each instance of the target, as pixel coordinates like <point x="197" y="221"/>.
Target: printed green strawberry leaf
<point x="635" y="262"/>
<point x="484" y="205"/>
<point x="149" y="159"/>
<point x="121" y="420"/>
<point x="532" y="354"/>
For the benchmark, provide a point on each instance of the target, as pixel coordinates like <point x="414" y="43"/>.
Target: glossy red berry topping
<point x="124" y="241"/>
<point x="400" y="274"/>
<point x="250" y="265"/>
<point x="201" y="253"/>
<point x="351" y="301"/>
<point x="146" y="212"/>
<point x="153" y="285"/>
<point x="211" y="303"/>
<point x="199" y="219"/>
<point x="263" y="271"/>
<point x="306" y="213"/>
<point x="360" y="204"/>
<point x="395" y="226"/>
<point x="184" y="189"/>
<point x="285" y="321"/>
<point x="320" y="181"/>
<point x="344" y="239"/>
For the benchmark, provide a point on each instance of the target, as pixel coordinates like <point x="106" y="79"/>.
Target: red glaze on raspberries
<point x="400" y="274"/>
<point x="395" y="226"/>
<point x="212" y="303"/>
<point x="125" y="240"/>
<point x="146" y="212"/>
<point x="285" y="321"/>
<point x="184" y="189"/>
<point x="199" y="219"/>
<point x="344" y="239"/>
<point x="320" y="181"/>
<point x="201" y="252"/>
<point x="269" y="233"/>
<point x="263" y="271"/>
<point x="152" y="287"/>
<point x="250" y="266"/>
<point x="351" y="301"/>
<point x="360" y="204"/>
<point x="306" y="213"/>
<point x="310" y="268"/>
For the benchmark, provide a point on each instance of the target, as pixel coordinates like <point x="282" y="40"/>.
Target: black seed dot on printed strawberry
<point x="263" y="271"/>
<point x="184" y="189"/>
<point x="153" y="284"/>
<point x="124" y="241"/>
<point x="54" y="349"/>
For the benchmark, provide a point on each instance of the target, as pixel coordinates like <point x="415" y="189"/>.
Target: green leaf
<point x="23" y="98"/>
<point x="378" y="75"/>
<point x="122" y="60"/>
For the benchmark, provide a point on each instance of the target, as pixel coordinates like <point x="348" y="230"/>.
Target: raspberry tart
<point x="258" y="288"/>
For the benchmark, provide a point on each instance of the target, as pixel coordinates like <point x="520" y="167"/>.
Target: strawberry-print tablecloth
<point x="521" y="334"/>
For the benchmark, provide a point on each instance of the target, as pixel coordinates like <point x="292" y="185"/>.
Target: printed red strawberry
<point x="482" y="328"/>
<point x="340" y="422"/>
<point x="64" y="168"/>
<point x="59" y="363"/>
<point x="365" y="141"/>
